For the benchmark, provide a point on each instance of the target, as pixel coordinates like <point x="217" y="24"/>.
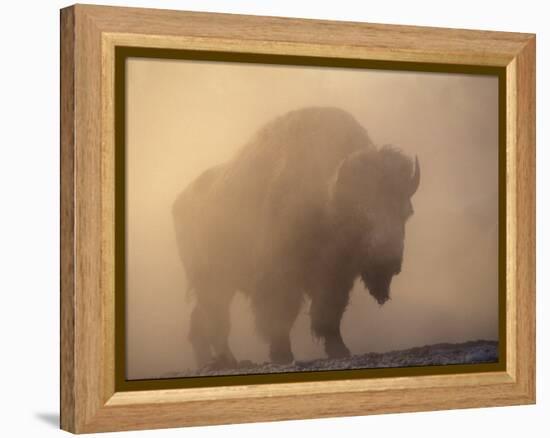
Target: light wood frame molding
<point x="89" y="35"/>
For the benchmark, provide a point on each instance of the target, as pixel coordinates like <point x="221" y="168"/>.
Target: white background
<point x="29" y="217"/>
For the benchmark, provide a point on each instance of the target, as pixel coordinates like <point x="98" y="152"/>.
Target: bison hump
<point x="270" y="195"/>
<point x="299" y="148"/>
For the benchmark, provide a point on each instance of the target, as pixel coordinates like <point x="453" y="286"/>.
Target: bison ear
<point x="415" y="179"/>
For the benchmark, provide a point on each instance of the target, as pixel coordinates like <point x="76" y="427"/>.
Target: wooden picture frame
<point x="91" y="398"/>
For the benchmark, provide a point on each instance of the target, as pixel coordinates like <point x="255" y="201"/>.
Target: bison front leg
<point x="210" y="324"/>
<point x="276" y="304"/>
<point x="326" y="314"/>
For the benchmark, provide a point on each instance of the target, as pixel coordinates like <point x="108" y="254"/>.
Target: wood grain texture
<point x="67" y="254"/>
<point x="89" y="35"/>
<point x="342" y="39"/>
<point x="525" y="217"/>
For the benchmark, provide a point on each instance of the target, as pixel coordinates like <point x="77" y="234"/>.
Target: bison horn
<point x="415" y="180"/>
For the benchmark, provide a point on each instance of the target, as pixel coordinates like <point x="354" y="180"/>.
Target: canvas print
<point x="288" y="218"/>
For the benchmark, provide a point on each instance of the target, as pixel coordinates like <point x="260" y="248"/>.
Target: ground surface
<point x="438" y="354"/>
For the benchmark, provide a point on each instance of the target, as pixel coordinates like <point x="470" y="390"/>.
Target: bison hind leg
<point x="276" y="304"/>
<point x="210" y="326"/>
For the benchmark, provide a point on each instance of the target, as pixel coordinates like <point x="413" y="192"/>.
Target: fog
<point x="186" y="116"/>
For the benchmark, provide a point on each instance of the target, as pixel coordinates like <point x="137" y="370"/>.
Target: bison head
<point x="372" y="198"/>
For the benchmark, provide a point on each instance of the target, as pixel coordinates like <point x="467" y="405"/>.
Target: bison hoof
<point x="282" y="357"/>
<point x="222" y="362"/>
<point x="337" y="351"/>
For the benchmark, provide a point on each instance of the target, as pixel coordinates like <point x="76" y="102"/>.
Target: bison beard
<point x="307" y="205"/>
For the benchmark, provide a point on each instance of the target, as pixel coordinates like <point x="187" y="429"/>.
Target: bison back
<point x="263" y="209"/>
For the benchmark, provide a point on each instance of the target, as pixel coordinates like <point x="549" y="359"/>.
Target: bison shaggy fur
<point x="308" y="205"/>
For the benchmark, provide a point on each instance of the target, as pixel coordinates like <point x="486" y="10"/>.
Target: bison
<point x="308" y="205"/>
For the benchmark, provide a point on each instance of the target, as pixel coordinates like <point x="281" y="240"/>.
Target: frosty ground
<point x="473" y="352"/>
